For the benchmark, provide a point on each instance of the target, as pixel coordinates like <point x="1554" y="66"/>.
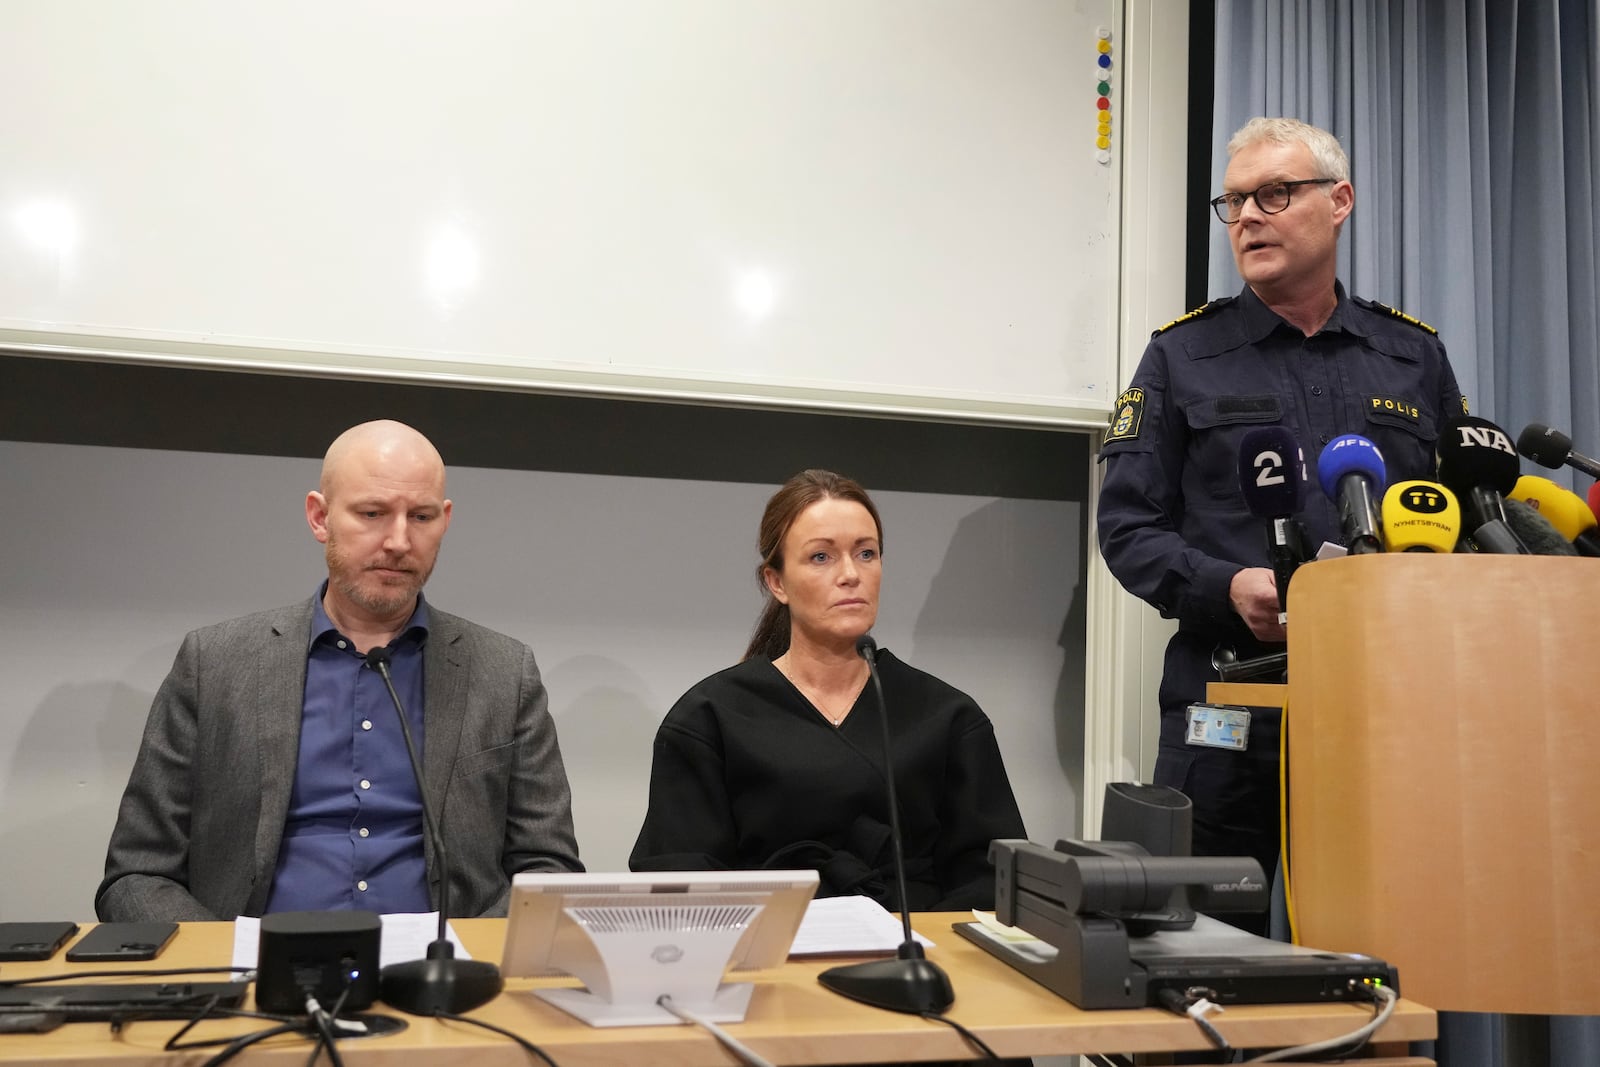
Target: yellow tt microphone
<point x="1420" y="516"/>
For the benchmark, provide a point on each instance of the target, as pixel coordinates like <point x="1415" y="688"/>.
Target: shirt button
<point x="365" y="784"/>
<point x="1316" y="390"/>
<point x="366" y="724"/>
<point x="363" y="831"/>
<point x="342" y="644"/>
<point x="362" y="885"/>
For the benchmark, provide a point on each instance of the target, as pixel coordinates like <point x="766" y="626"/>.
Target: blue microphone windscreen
<point x="1270" y="464"/>
<point x="1350" y="454"/>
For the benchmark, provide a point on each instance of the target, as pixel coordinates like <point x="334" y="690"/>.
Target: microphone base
<point x="431" y="986"/>
<point x="912" y="986"/>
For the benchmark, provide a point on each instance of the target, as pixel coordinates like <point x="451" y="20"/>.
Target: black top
<point x="747" y="774"/>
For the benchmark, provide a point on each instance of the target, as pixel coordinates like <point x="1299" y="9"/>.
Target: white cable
<point x="1384" y="993"/>
<point x="734" y="1045"/>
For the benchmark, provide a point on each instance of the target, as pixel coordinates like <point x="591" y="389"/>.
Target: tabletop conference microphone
<point x="1271" y="470"/>
<point x="1552" y="448"/>
<point x="1478" y="463"/>
<point x="1420" y="516"/>
<point x="1562" y="508"/>
<point x="439" y="983"/>
<point x="910" y="982"/>
<point x="1351" y="472"/>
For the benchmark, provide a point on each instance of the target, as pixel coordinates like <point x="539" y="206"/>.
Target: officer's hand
<point x="1254" y="594"/>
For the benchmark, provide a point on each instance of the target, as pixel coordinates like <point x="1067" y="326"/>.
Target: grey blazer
<point x="198" y="830"/>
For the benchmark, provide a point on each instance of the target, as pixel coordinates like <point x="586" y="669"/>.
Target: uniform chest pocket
<point x="1406" y="434"/>
<point x="1217" y="427"/>
<point x="1219" y="412"/>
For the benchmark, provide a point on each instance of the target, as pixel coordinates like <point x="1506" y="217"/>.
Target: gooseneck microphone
<point x="1478" y="463"/>
<point x="1552" y="448"/>
<point x="910" y="982"/>
<point x="439" y="983"/>
<point x="1351" y="471"/>
<point x="1270" y="465"/>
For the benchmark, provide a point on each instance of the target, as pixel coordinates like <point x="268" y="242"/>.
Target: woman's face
<point x="831" y="571"/>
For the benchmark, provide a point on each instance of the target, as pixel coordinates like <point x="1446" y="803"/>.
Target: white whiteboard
<point x="886" y="205"/>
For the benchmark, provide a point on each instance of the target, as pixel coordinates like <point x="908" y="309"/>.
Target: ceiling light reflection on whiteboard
<point x="451" y="266"/>
<point x="49" y="225"/>
<point x="755" y="293"/>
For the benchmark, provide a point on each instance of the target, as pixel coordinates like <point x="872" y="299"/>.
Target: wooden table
<point x="792" y="1020"/>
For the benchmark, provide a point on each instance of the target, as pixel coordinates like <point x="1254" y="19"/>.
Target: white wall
<point x="628" y="589"/>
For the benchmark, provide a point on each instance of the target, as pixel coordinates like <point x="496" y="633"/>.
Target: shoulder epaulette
<point x="1394" y="313"/>
<point x="1200" y="312"/>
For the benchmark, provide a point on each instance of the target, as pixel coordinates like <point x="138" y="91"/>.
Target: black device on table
<point x="120" y="942"/>
<point x="34" y="941"/>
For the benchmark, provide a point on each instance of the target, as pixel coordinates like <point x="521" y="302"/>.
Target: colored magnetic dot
<point x="1104" y="46"/>
<point x="1103" y="104"/>
<point x="1103" y="88"/>
<point x="1104" y="129"/>
<point x="1104" y="61"/>
<point x="1102" y="142"/>
<point x="1103" y="116"/>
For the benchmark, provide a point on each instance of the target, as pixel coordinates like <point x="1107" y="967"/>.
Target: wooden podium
<point x="1444" y="752"/>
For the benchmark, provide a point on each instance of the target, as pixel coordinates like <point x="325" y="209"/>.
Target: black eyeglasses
<point x="1271" y="198"/>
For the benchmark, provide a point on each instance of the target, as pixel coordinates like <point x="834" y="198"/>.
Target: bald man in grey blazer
<point x="271" y="774"/>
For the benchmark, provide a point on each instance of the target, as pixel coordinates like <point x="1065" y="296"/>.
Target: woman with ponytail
<point x="778" y="762"/>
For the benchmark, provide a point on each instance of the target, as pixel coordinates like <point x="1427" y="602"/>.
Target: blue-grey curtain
<point x="1473" y="129"/>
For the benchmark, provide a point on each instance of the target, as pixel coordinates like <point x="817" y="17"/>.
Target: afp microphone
<point x="1351" y="472"/>
<point x="1271" y="471"/>
<point x="1552" y="448"/>
<point x="1478" y="464"/>
<point x="1562" y="508"/>
<point x="1420" y="516"/>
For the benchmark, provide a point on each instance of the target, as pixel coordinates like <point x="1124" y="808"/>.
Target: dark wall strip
<point x="142" y="406"/>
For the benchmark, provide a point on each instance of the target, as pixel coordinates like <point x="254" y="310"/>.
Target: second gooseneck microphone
<point x="439" y="983"/>
<point x="910" y="982"/>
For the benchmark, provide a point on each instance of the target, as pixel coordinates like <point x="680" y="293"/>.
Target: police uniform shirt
<point x="1173" y="524"/>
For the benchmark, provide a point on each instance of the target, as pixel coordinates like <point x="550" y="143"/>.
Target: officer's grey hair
<point x="1324" y="147"/>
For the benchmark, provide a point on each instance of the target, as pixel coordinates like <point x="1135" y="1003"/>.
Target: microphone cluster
<point x="1479" y="502"/>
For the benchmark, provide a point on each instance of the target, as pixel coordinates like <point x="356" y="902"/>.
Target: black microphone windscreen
<point x="378" y="657"/>
<point x="1536" y="531"/>
<point x="866" y="647"/>
<point x="1475" y="453"/>
<point x="1546" y="447"/>
<point x="1269" y="472"/>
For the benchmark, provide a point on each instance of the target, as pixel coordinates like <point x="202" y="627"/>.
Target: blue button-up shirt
<point x="354" y="834"/>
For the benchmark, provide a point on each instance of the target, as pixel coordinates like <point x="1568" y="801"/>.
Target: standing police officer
<point x="1291" y="350"/>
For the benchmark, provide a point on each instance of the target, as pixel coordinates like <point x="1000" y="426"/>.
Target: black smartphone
<point x="122" y="941"/>
<point x="33" y="941"/>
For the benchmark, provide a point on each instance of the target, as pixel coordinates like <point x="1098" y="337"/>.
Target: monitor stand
<point x="728" y="1005"/>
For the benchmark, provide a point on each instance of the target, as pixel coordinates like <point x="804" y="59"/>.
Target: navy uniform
<point x="1173" y="524"/>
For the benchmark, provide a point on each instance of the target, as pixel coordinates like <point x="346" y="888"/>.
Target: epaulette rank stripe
<point x="1397" y="314"/>
<point x="1204" y="309"/>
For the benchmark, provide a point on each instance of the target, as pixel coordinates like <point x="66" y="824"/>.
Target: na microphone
<point x="439" y="983"/>
<point x="1420" y="516"/>
<point x="1552" y="448"/>
<point x="1478" y="463"/>
<point x="910" y="982"/>
<point x="1271" y="466"/>
<point x="1351" y="472"/>
<point x="1561" y="508"/>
